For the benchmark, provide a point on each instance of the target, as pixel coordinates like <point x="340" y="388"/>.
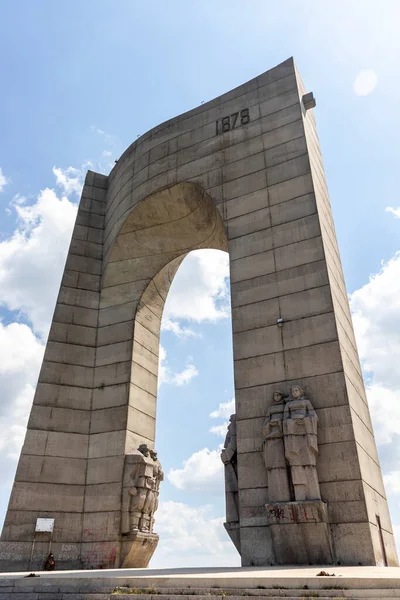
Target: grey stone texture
<point x="257" y="191"/>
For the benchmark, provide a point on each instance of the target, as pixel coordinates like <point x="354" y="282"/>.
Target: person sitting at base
<point x="50" y="563"/>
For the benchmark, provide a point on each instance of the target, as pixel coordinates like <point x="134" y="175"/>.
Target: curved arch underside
<point x="152" y="242"/>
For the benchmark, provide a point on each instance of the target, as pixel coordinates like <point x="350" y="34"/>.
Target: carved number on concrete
<point x="232" y="121"/>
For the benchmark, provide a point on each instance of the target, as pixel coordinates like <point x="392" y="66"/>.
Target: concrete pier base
<point x="137" y="549"/>
<point x="300" y="532"/>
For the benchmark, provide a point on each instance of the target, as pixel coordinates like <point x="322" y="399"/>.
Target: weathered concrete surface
<point x="174" y="584"/>
<point x="137" y="550"/>
<point x="256" y="190"/>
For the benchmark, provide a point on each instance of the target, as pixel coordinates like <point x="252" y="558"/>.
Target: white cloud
<point x="185" y="376"/>
<point x="365" y="83"/>
<point x="202" y="472"/>
<point x="32" y="258"/>
<point x="392" y="482"/>
<point x="191" y="537"/>
<point x="21" y="354"/>
<point x="200" y="293"/>
<point x="31" y="262"/>
<point x="71" y="180"/>
<point x="220" y="430"/>
<point x="177" y="329"/>
<point x="376" y="317"/>
<point x="166" y="375"/>
<point x="394" y="211"/>
<point x="224" y="411"/>
<point x="3" y="180"/>
<point x="107" y="137"/>
<point x="384" y="404"/>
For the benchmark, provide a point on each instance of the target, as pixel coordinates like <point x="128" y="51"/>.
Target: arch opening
<point x="151" y="244"/>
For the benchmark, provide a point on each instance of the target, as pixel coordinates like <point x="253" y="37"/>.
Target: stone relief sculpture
<point x="158" y="476"/>
<point x="290" y="447"/>
<point x="274" y="450"/>
<point x="229" y="458"/>
<point x="143" y="476"/>
<point x="301" y="446"/>
<point x="142" y="494"/>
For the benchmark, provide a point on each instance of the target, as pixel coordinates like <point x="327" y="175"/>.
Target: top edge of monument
<point x="283" y="69"/>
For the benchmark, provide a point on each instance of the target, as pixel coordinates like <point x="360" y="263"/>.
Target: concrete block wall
<point x="374" y="512"/>
<point x="53" y="468"/>
<point x="257" y="191"/>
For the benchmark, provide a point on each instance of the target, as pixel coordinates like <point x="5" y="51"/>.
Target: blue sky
<point x="79" y="82"/>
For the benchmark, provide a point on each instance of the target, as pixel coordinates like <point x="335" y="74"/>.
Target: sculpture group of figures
<point x="291" y="448"/>
<point x="146" y="476"/>
<point x="290" y="452"/>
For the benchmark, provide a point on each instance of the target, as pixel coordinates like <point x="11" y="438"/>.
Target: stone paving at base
<point x="174" y="584"/>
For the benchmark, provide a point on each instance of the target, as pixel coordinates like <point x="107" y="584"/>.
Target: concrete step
<point x="304" y="595"/>
<point x="98" y="591"/>
<point x="253" y="583"/>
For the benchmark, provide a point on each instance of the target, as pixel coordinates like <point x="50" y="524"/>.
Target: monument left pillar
<point x="53" y="468"/>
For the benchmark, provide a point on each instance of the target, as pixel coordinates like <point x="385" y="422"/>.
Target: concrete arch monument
<point x="242" y="173"/>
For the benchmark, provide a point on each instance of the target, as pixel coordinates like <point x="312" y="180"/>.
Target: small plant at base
<point x="134" y="591"/>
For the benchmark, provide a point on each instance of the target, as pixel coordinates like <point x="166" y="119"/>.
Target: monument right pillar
<point x="292" y="327"/>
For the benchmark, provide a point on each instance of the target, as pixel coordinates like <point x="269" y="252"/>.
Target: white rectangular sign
<point x="44" y="525"/>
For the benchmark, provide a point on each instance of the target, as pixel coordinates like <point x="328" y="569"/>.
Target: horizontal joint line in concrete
<point x="284" y="349"/>
<point x="144" y="368"/>
<point x="341" y="481"/>
<point x="82" y="289"/>
<point x="99" y="260"/>
<point x="267" y="187"/>
<point x="273" y="227"/>
<point x="158" y="224"/>
<point x="320" y="444"/>
<point x="368" y="454"/>
<point x="362" y="421"/>
<point x="142" y="346"/>
<point x="93" y="485"/>
<point x="315" y="287"/>
<point x="85" y="227"/>
<point x="277" y="270"/>
<point x="92" y="212"/>
<point x="310" y="316"/>
<point x="53" y="406"/>
<point x="81" y="485"/>
<point x="152" y="312"/>
<point x="109" y="287"/>
<point x="88" y="212"/>
<point x="276" y="247"/>
<point x="199" y="144"/>
<point x="143" y="413"/>
<point x="108" y="216"/>
<point x="143" y="389"/>
<point x="280" y="380"/>
<point x="65" y="385"/>
<point x="53" y="362"/>
<point x="374" y="490"/>
<point x="233" y="162"/>
<point x="183" y="250"/>
<point x="54" y="322"/>
<point x="357" y="392"/>
<point x="269" y="208"/>
<point x="317" y="409"/>
<point x="165" y="253"/>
